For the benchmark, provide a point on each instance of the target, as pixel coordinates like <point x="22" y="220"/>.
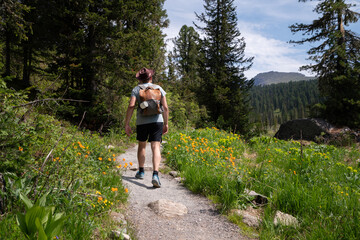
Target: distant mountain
<point x="279" y="77"/>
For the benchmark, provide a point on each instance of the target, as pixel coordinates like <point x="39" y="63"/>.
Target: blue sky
<point x="264" y="25"/>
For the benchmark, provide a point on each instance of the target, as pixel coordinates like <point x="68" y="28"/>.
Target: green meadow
<point x="317" y="184"/>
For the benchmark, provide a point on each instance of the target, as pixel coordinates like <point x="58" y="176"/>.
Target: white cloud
<point x="277" y="10"/>
<point x="271" y="54"/>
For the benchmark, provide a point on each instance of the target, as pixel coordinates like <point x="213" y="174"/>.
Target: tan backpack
<point x="150" y="100"/>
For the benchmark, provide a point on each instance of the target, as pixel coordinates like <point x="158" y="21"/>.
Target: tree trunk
<point x="7" y="52"/>
<point x="341" y="43"/>
<point x="341" y="25"/>
<point x="26" y="65"/>
<point x="2" y="196"/>
<point x="90" y="81"/>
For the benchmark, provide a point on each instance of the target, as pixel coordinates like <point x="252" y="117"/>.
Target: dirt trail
<point x="201" y="222"/>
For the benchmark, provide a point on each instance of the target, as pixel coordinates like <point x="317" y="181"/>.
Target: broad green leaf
<point x="49" y="219"/>
<point x="58" y="215"/>
<point x="52" y="210"/>
<point x="48" y="212"/>
<point x="31" y="215"/>
<point x="28" y="203"/>
<point x="42" y="234"/>
<point x="55" y="227"/>
<point x="42" y="201"/>
<point x="20" y="219"/>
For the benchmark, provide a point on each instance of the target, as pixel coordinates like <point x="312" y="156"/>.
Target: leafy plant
<point x="40" y="221"/>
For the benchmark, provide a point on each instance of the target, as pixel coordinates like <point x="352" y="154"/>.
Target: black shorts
<point x="151" y="132"/>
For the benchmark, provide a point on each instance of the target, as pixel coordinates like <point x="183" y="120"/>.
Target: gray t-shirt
<point x="140" y="119"/>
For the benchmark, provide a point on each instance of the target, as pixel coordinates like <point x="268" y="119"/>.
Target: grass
<point x="318" y="184"/>
<point x="79" y="172"/>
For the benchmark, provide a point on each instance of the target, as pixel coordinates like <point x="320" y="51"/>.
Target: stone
<point x="118" y="218"/>
<point x="316" y="130"/>
<point x="167" y="208"/>
<point x="179" y="179"/>
<point x="249" y="216"/>
<point x="116" y="234"/>
<point x="125" y="236"/>
<point x="285" y="219"/>
<point x="303" y="129"/>
<point x="258" y="198"/>
<point x="174" y="174"/>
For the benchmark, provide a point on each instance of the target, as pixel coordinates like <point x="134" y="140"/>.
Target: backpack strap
<point x="152" y="86"/>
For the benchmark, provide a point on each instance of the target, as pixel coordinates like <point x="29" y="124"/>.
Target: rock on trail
<point x="187" y="215"/>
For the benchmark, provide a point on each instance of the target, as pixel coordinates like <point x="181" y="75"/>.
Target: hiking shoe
<point x="140" y="175"/>
<point x="156" y="181"/>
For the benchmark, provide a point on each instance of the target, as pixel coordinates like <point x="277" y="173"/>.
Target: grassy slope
<point x="318" y="184"/>
<point x="41" y="155"/>
<point x="80" y="175"/>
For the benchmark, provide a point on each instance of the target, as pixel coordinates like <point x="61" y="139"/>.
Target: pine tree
<point x="92" y="49"/>
<point x="336" y="59"/>
<point x="186" y="54"/>
<point x="224" y="89"/>
<point x="13" y="29"/>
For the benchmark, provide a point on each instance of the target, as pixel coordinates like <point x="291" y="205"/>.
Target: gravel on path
<point x="202" y="221"/>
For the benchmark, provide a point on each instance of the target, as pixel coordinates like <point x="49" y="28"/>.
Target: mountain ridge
<point x="274" y="77"/>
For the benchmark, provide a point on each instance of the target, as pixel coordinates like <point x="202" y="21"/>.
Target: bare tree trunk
<point x="89" y="74"/>
<point x="3" y="190"/>
<point x="26" y="65"/>
<point x="7" y="52"/>
<point x="341" y="25"/>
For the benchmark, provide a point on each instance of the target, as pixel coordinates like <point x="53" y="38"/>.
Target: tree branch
<point x="49" y="99"/>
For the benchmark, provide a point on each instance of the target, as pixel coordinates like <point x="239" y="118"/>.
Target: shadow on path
<point x="135" y="181"/>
